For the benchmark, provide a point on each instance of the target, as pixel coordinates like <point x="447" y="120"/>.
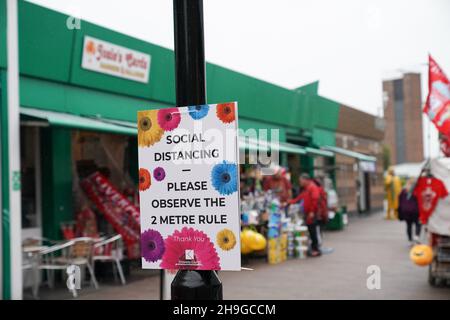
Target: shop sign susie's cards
<point x="189" y="187"/>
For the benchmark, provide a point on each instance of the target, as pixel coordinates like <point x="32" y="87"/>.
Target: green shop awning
<point x="291" y="148"/>
<point x="68" y="120"/>
<point x="352" y="154"/>
<point x="318" y="152"/>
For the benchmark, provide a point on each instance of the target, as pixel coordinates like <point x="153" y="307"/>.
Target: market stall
<point x="266" y="215"/>
<point x="433" y="201"/>
<point x="438" y="223"/>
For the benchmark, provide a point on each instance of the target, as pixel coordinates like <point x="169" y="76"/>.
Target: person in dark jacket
<point x="408" y="211"/>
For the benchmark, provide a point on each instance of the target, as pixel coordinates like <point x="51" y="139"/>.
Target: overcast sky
<point x="349" y="45"/>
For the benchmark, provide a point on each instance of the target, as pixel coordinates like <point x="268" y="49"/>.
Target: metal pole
<point x="191" y="90"/>
<point x="162" y="280"/>
<point x="11" y="219"/>
<point x="189" y="52"/>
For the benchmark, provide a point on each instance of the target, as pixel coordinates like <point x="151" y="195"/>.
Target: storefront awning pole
<point x="191" y="90"/>
<point x="10" y="162"/>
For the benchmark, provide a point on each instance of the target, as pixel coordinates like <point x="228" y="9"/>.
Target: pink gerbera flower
<point x="169" y="119"/>
<point x="190" y="249"/>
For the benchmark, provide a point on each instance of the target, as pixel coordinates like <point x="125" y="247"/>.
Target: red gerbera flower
<point x="145" y="179"/>
<point x="169" y="118"/>
<point x="226" y="112"/>
<point x="190" y="249"/>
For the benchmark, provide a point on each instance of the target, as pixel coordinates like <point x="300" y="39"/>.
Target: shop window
<point x="115" y="157"/>
<point x="30" y="171"/>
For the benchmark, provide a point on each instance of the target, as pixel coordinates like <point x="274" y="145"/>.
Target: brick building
<point x="359" y="182"/>
<point x="403" y="114"/>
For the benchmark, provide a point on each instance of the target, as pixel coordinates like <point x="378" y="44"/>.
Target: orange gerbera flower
<point x="145" y="179"/>
<point x="90" y="47"/>
<point x="226" y="112"/>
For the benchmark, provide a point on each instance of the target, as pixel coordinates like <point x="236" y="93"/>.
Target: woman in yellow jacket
<point x="393" y="187"/>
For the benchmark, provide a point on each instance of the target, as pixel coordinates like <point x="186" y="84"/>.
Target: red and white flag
<point x="444" y="141"/>
<point x="437" y="106"/>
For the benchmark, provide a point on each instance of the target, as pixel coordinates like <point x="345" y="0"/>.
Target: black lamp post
<point x="191" y="90"/>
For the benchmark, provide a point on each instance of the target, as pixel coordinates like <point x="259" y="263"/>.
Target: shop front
<point x="78" y="110"/>
<point x="358" y="171"/>
<point x="273" y="229"/>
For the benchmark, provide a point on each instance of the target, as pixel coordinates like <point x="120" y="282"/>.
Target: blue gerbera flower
<point x="224" y="178"/>
<point x="198" y="112"/>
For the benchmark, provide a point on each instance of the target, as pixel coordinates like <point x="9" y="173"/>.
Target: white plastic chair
<point x="81" y="254"/>
<point x="115" y="255"/>
<point x="55" y="258"/>
<point x="29" y="268"/>
<point x="76" y="252"/>
<point x="31" y="247"/>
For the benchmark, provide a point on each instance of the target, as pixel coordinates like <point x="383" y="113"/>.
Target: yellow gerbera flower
<point x="149" y="131"/>
<point x="226" y="239"/>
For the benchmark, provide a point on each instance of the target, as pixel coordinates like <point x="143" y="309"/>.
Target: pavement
<point x="342" y="274"/>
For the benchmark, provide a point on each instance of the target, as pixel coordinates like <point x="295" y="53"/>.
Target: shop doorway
<point x="295" y="170"/>
<point x="31" y="182"/>
<point x="367" y="190"/>
<point x="364" y="191"/>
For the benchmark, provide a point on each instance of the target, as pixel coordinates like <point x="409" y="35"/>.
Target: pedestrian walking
<point x="310" y="195"/>
<point x="408" y="211"/>
<point x="393" y="188"/>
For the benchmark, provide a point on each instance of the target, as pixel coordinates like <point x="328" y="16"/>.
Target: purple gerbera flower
<point x="152" y="245"/>
<point x="159" y="174"/>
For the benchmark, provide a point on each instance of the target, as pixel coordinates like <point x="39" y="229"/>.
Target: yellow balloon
<point x="258" y="242"/>
<point x="421" y="254"/>
<point x="245" y="236"/>
<point x="245" y="249"/>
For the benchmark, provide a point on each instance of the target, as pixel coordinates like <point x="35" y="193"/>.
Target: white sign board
<point x="105" y="57"/>
<point x="189" y="188"/>
<point x="367" y="166"/>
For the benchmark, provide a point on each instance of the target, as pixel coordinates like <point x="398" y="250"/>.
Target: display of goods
<point x="283" y="241"/>
<point x="86" y="225"/>
<point x="247" y="236"/>
<point x="290" y="240"/>
<point x="117" y="210"/>
<point x="244" y="218"/>
<point x="275" y="220"/>
<point x="277" y="250"/>
<point x="252" y="241"/>
<point x="68" y="231"/>
<point x="245" y="248"/>
<point x="421" y="254"/>
<point x="274" y="225"/>
<point x="258" y="242"/>
<point x="300" y="241"/>
<point x="278" y="241"/>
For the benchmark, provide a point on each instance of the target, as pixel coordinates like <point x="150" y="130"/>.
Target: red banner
<point x="444" y="141"/>
<point x="117" y="210"/>
<point x="437" y="106"/>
